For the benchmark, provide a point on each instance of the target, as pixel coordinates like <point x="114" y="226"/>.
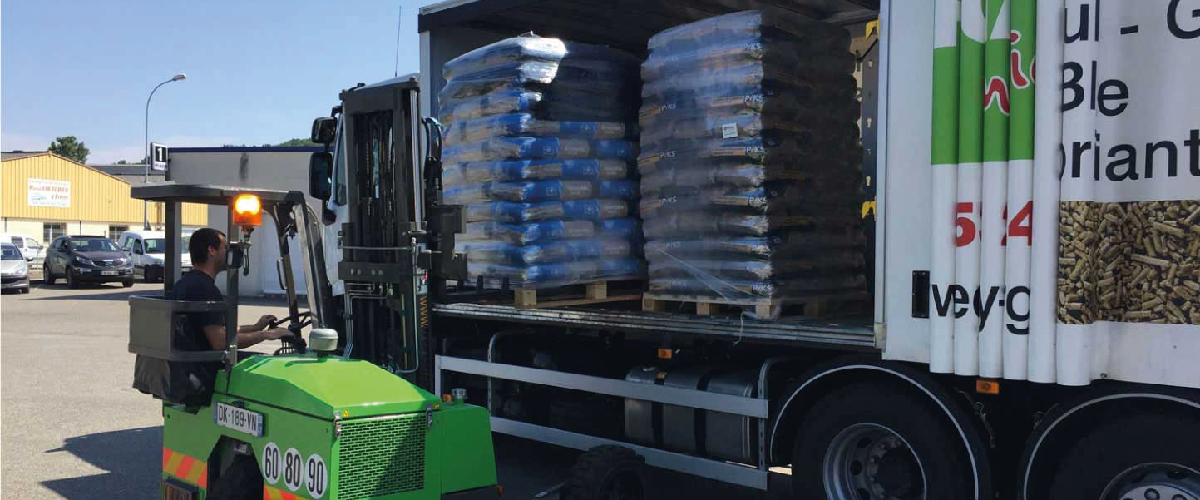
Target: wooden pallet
<point x="763" y="308"/>
<point x="593" y="293"/>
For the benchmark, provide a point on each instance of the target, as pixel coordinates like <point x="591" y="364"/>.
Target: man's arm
<point x="262" y="324"/>
<point x="216" y="336"/>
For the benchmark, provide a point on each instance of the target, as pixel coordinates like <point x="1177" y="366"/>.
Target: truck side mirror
<point x="324" y="130"/>
<point x="320" y="175"/>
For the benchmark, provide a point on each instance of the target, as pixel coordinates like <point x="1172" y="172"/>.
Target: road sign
<point x="158" y="156"/>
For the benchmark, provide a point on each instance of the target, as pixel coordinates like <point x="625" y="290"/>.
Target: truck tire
<point x="240" y="481"/>
<point x="606" y="472"/>
<point x="873" y="441"/>
<point x="1138" y="456"/>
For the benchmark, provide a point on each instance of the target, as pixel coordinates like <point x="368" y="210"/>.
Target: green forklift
<point x="304" y="422"/>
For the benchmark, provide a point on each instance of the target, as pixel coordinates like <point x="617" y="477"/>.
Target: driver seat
<point x="170" y="366"/>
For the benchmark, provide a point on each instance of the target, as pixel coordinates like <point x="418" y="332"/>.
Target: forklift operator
<point x="207" y="330"/>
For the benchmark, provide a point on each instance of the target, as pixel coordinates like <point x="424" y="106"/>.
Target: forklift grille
<point x="381" y="456"/>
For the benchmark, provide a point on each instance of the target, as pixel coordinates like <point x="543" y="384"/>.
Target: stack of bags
<point x="538" y="145"/>
<point x="751" y="165"/>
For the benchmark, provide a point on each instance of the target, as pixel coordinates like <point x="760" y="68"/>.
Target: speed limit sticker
<point x="293" y="469"/>
<point x="316" y="476"/>
<point x="270" y="463"/>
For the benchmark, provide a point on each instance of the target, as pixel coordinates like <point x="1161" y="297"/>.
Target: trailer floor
<point x="852" y="333"/>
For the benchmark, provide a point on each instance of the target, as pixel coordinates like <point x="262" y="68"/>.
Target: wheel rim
<point x="624" y="485"/>
<point x="872" y="462"/>
<point x="1155" y="481"/>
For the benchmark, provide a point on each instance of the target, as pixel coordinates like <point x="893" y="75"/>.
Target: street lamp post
<point x="146" y="142"/>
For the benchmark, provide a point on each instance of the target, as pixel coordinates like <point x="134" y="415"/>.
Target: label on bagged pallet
<point x="729" y="130"/>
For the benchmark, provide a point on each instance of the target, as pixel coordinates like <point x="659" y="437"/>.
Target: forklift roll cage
<point x="151" y="316"/>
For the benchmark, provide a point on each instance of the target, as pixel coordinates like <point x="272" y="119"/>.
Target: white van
<point x="146" y="249"/>
<point x="33" y="250"/>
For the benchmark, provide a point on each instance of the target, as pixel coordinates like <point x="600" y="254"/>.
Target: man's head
<point x="207" y="248"/>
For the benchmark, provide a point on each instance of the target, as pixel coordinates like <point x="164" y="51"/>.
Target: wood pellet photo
<point x="1134" y="262"/>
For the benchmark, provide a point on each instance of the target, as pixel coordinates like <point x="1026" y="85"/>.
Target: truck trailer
<point x="1002" y="351"/>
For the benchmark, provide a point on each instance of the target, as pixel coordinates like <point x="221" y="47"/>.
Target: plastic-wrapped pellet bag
<point x="750" y="160"/>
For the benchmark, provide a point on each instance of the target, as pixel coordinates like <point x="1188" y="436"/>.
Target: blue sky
<point x="257" y="71"/>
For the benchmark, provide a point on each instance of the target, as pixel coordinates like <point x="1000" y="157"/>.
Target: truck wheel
<point x="1140" y="456"/>
<point x="72" y="281"/>
<point x="873" y="441"/>
<point x="240" y="481"/>
<point x="607" y="472"/>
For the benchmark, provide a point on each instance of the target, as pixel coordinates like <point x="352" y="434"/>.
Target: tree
<point x="297" y="142"/>
<point x="70" y="147"/>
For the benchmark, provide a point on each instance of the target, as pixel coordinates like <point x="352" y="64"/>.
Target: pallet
<point x="816" y="306"/>
<point x="593" y="293"/>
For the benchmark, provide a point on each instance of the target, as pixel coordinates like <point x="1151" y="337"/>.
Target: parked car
<point x="92" y="259"/>
<point x="14" y="270"/>
<point x="146" y="250"/>
<point x="33" y="250"/>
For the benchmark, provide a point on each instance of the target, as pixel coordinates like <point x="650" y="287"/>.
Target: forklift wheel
<point x="240" y="481"/>
<point x="607" y="472"/>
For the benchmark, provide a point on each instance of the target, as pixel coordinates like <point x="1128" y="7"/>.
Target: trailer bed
<point x="851" y="333"/>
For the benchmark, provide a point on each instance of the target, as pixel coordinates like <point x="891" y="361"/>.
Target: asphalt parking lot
<point x="74" y="428"/>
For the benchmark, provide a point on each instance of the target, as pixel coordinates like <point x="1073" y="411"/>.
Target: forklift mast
<point x="384" y="288"/>
<point x="386" y="246"/>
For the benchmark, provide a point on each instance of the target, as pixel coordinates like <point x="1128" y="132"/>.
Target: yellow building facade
<point x="43" y="196"/>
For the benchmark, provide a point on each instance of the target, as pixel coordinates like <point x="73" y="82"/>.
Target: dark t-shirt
<point x="196" y="285"/>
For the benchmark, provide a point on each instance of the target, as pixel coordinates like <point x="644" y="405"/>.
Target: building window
<point x="51" y="230"/>
<point x="114" y="232"/>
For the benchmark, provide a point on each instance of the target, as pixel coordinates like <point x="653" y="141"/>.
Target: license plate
<point x="108" y="273"/>
<point x="238" y="419"/>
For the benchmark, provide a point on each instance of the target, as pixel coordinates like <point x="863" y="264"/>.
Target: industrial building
<point x="268" y="167"/>
<point x="45" y="196"/>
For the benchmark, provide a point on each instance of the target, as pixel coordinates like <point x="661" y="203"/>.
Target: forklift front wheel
<point x="607" y="472"/>
<point x="240" y="481"/>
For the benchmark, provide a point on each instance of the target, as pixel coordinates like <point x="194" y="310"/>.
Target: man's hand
<point x="276" y="333"/>
<point x="264" y="322"/>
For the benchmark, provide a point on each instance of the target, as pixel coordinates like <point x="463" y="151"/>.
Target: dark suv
<point x="92" y="259"/>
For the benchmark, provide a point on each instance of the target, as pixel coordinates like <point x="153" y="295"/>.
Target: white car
<point x="146" y="249"/>
<point x="14" y="270"/>
<point x="33" y="250"/>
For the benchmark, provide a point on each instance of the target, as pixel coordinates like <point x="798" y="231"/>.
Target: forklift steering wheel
<point x="295" y="343"/>
<point x="296" y="318"/>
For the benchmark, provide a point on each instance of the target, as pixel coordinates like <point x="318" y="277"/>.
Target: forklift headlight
<point x="247" y="211"/>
